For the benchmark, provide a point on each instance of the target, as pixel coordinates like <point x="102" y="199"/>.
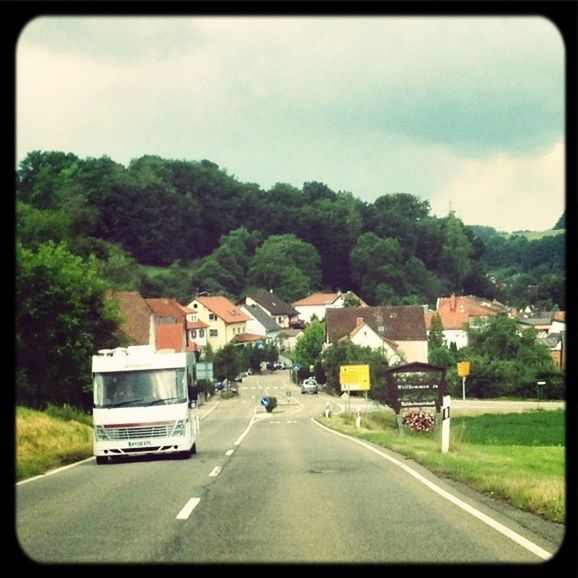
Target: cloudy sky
<point x="465" y="112"/>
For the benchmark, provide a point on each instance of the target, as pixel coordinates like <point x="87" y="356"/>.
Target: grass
<point x="519" y="458"/>
<point x="49" y="439"/>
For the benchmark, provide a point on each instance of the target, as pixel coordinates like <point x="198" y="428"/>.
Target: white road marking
<point x="525" y="543"/>
<point x="189" y="507"/>
<point x="247" y="429"/>
<point x="215" y="472"/>
<point x="56" y="471"/>
<point x="229" y="452"/>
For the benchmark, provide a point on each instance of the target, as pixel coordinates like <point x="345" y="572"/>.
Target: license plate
<point x="139" y="444"/>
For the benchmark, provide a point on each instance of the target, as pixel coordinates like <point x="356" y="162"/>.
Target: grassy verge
<point x="49" y="439"/>
<point x="515" y="457"/>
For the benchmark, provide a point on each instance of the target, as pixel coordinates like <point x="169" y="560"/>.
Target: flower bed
<point x="419" y="421"/>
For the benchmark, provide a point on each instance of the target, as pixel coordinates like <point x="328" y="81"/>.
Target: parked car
<point x="309" y="385"/>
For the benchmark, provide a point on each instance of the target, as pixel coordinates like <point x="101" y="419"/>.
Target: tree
<point x="505" y="359"/>
<point x="62" y="319"/>
<point x="347" y="353"/>
<point x="436" y="336"/>
<point x="228" y="362"/>
<point x="309" y="346"/>
<point x="286" y="264"/>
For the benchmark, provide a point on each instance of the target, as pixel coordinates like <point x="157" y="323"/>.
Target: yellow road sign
<point x="463" y="368"/>
<point x="354" y="377"/>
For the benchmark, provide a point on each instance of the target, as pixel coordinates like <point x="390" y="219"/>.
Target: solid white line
<point x="189" y="507"/>
<point x="215" y="472"/>
<point x="56" y="471"/>
<point x="534" y="548"/>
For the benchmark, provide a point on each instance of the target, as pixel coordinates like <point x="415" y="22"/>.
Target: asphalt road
<point x="269" y="488"/>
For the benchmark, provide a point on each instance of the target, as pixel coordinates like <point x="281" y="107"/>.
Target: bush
<point x="68" y="412"/>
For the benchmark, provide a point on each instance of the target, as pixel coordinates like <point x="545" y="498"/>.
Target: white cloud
<point x="506" y="192"/>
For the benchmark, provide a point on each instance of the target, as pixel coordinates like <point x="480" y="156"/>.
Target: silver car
<point x="310" y="385"/>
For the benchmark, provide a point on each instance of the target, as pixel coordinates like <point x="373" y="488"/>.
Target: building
<point x="172" y="326"/>
<point x="260" y="322"/>
<point x="223" y="319"/>
<point x="138" y="325"/>
<point x="280" y="311"/>
<point x="316" y="304"/>
<point x="398" y="331"/>
<point x="457" y="311"/>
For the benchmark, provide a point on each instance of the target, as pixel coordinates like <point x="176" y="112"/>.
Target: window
<point x="201" y="333"/>
<point x="212" y="317"/>
<point x="193" y="333"/>
<point x="213" y="332"/>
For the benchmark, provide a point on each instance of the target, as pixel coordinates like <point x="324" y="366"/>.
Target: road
<point x="267" y="488"/>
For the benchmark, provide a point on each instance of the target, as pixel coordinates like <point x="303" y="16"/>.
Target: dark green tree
<point x="62" y="319"/>
<point x="287" y="265"/>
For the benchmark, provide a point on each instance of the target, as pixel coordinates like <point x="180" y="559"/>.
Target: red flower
<point x="419" y="421"/>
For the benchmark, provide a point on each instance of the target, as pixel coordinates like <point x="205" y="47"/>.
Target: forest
<point x="175" y="228"/>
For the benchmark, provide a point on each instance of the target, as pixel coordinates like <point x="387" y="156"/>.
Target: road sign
<point x="464" y="368"/>
<point x="354" y="377"/>
<point x="265" y="401"/>
<point x="296" y="367"/>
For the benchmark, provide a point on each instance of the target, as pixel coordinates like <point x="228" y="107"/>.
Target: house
<point x="260" y="322"/>
<point x="550" y="327"/>
<point x="139" y="324"/>
<point x="317" y="304"/>
<point x="223" y="319"/>
<point x="280" y="311"/>
<point x="398" y="331"/>
<point x="287" y="339"/>
<point x="173" y="328"/>
<point x="457" y="311"/>
<point x="364" y="336"/>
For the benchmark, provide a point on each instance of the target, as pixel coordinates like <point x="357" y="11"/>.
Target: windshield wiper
<point x="166" y="399"/>
<point x="121" y="403"/>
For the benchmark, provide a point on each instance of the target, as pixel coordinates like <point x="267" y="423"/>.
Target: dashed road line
<point x="188" y="508"/>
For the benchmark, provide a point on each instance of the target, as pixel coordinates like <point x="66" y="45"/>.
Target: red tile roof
<point x="317" y="299"/>
<point x="137" y="316"/>
<point x="168" y="308"/>
<point x="223" y="308"/>
<point x="248" y="338"/>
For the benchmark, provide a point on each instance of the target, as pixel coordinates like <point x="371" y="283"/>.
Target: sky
<point x="464" y="112"/>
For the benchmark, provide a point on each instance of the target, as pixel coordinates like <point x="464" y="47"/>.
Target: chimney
<point x="453" y="302"/>
<point x="359" y="322"/>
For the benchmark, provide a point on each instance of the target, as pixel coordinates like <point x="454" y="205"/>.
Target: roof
<point x="259" y="314"/>
<point x="137" y="315"/>
<point x="165" y="308"/>
<point x="397" y="323"/>
<point x="316" y="299"/>
<point x="222" y="308"/>
<point x="457" y="310"/>
<point x="474" y="306"/>
<point x="248" y="338"/>
<point x="273" y="303"/>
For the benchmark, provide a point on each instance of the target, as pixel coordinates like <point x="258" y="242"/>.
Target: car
<point x="309" y="385"/>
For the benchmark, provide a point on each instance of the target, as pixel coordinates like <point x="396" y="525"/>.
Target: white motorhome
<point x="144" y="402"/>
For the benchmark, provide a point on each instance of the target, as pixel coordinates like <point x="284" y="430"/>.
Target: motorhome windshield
<point x="139" y="388"/>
